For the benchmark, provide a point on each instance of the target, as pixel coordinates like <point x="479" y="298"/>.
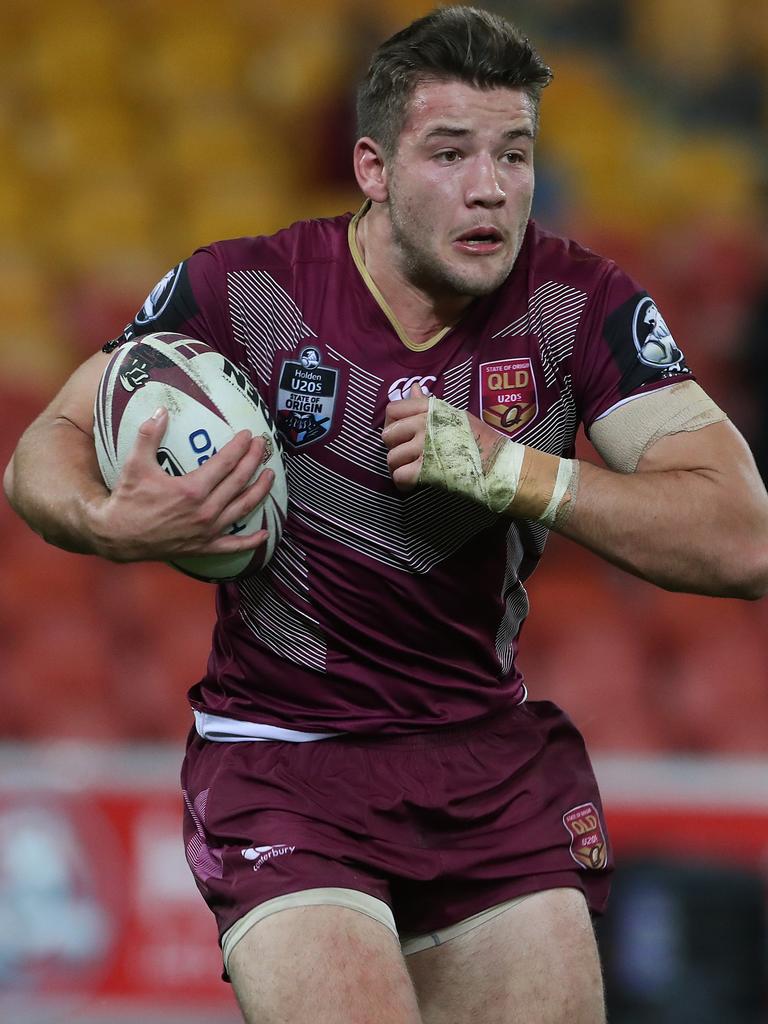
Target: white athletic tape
<point x="565" y="475"/>
<point x="451" y="456"/>
<point x="503" y="476"/>
<point x="350" y="899"/>
<point x="453" y="462"/>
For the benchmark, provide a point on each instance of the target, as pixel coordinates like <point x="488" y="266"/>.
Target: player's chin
<point x="481" y="275"/>
<point x="482" y="281"/>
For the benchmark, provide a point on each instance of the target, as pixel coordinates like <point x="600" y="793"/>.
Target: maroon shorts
<point x="439" y="825"/>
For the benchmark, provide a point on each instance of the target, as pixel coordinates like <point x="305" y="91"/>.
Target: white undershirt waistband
<point x="221" y="729"/>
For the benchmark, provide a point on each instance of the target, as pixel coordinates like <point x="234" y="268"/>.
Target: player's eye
<point x="514" y="156"/>
<point x="447" y="156"/>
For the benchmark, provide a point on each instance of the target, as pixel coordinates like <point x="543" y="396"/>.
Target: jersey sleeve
<point x="625" y="348"/>
<point x="190" y="299"/>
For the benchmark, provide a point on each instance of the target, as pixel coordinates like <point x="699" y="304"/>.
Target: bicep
<point x="718" y="483"/>
<point x="718" y="448"/>
<point x="678" y="429"/>
<point x="71" y="407"/>
<point x="627" y="432"/>
<point x="74" y="402"/>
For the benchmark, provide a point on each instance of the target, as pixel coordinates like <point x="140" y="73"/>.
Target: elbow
<point x="748" y="589"/>
<point x="754" y="587"/>
<point x="745" y="573"/>
<point x="8" y="483"/>
<point x="734" y="566"/>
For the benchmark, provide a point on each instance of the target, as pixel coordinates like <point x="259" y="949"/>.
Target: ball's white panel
<point x="132" y="389"/>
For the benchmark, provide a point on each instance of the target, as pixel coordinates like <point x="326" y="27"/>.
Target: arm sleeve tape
<point x="625" y="433"/>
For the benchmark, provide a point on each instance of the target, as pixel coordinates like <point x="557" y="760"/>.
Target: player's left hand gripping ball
<point x="208" y="400"/>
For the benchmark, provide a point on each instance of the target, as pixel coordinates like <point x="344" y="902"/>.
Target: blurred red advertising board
<point x="98" y="906"/>
<point x="96" y="900"/>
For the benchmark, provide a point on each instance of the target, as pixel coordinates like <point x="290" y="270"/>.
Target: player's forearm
<point x="681" y="529"/>
<point x="693" y="517"/>
<point x="53" y="483"/>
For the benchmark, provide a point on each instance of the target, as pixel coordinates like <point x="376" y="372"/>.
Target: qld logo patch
<point x="306" y="397"/>
<point x="508" y="400"/>
<point x="588" y="844"/>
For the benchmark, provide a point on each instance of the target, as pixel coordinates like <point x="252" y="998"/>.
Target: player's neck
<point x="421" y="314"/>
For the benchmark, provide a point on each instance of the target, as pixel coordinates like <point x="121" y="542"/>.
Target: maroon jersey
<point x="384" y="612"/>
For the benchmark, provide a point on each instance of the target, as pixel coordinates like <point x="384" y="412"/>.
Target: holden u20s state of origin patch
<point x="306" y="397"/>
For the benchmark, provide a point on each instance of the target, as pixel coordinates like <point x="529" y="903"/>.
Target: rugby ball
<point x="208" y="401"/>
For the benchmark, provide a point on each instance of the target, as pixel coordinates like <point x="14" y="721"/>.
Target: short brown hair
<point x="461" y="43"/>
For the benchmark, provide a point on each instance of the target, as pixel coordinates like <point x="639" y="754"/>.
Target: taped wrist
<point x="515" y="479"/>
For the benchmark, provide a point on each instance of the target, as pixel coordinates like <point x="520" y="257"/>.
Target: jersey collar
<point x="354" y="249"/>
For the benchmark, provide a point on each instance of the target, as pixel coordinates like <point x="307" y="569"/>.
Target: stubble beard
<point x="425" y="269"/>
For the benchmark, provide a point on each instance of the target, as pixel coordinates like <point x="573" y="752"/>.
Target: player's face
<point x="461" y="185"/>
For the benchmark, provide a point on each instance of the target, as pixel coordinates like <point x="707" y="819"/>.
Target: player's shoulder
<point x="553" y="257"/>
<point x="318" y="240"/>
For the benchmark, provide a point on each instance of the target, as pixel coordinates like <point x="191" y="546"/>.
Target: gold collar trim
<point x="373" y="289"/>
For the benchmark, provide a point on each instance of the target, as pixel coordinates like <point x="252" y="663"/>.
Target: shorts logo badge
<point x="508" y="400"/>
<point x="588" y="844"/>
<point x="306" y="396"/>
<point x="260" y="854"/>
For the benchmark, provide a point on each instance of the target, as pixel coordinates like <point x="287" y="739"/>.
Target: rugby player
<point x="385" y="826"/>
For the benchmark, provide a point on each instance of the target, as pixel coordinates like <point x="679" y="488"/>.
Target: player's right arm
<point x="54" y="483"/>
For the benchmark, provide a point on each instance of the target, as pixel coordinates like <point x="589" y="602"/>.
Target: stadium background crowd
<point x="132" y="132"/>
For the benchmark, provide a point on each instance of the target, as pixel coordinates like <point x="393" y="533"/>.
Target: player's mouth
<point x="481" y="241"/>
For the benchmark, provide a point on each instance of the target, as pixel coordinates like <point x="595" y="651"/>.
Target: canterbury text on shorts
<point x="437" y="826"/>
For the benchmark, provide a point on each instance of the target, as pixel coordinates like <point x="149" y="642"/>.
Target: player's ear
<point x="371" y="170"/>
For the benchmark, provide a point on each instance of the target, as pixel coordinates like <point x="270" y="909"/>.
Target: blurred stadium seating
<point x="132" y="133"/>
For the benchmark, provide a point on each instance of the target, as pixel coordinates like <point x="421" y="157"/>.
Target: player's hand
<point x="405" y="424"/>
<point x="405" y="427"/>
<point x="151" y="515"/>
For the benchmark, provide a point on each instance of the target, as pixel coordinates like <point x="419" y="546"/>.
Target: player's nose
<point x="483" y="186"/>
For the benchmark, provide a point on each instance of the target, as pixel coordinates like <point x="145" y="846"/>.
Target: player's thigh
<point x="322" y="965"/>
<point x="536" y="961"/>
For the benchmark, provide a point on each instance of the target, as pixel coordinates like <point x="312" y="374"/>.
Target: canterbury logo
<point x="260" y="854"/>
<point x="401" y="387"/>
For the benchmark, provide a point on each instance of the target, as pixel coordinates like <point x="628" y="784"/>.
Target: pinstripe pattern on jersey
<point x="358" y="440"/>
<point x="553" y="316"/>
<point x="539" y="534"/>
<point x="554" y="312"/>
<point x="412" y="534"/>
<point x="265" y="319"/>
<point x="457" y="383"/>
<point x="288" y="567"/>
<point x="555" y="432"/>
<point x="281" y="627"/>
<point x="515" y="601"/>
